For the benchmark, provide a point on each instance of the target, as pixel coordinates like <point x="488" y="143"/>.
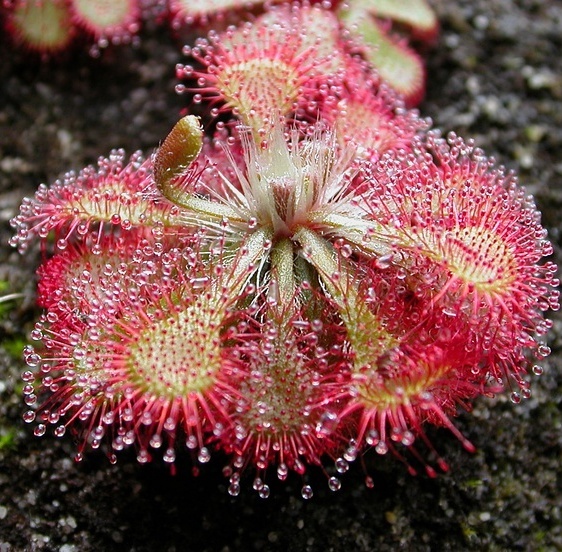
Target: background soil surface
<point x="495" y="76"/>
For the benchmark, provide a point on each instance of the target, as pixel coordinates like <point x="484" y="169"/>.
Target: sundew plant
<point x="316" y="276"/>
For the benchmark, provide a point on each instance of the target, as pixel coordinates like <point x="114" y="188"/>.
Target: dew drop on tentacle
<point x="515" y="397"/>
<point x="334" y="484"/>
<point x="204" y="455"/>
<point x="327" y="424"/>
<point x="59" y="431"/>
<point x="169" y="456"/>
<point x="342" y="465"/>
<point x="234" y="489"/>
<point x="282" y="471"/>
<point x="40" y="430"/>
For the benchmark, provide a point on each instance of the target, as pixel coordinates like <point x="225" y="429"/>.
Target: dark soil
<point x="495" y="76"/>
